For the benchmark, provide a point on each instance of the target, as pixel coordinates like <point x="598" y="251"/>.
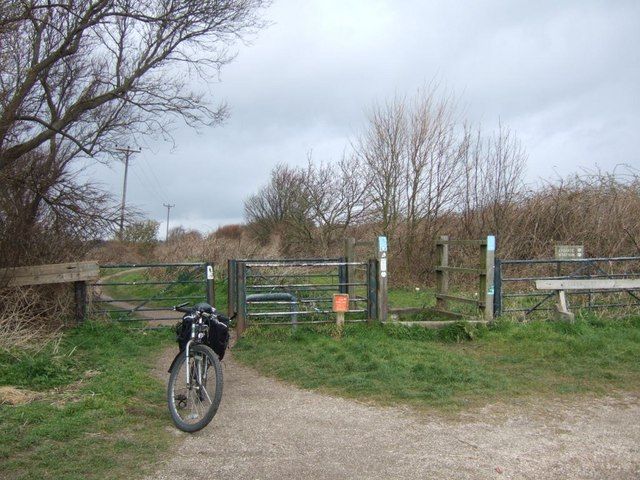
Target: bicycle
<point x="194" y="391"/>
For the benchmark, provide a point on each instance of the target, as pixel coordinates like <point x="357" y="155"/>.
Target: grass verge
<point x="98" y="411"/>
<point x="453" y="367"/>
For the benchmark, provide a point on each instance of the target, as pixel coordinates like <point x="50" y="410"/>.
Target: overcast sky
<point x="565" y="75"/>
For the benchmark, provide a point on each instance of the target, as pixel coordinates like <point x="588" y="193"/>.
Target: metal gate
<point x="515" y="283"/>
<point x="134" y="292"/>
<point x="299" y="291"/>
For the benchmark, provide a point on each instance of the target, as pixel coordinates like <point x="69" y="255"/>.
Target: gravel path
<point x="266" y="429"/>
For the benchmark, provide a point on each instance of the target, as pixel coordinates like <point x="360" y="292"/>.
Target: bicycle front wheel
<point x="194" y="401"/>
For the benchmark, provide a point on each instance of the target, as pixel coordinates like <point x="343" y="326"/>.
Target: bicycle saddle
<point x="204" y="307"/>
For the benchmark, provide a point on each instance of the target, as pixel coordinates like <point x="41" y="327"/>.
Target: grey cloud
<point x="564" y="75"/>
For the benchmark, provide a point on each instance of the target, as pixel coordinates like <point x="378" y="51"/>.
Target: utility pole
<point x="169" y="207"/>
<point x="127" y="152"/>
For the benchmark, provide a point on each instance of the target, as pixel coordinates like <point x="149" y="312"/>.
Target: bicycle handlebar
<point x="214" y="316"/>
<point x="180" y="308"/>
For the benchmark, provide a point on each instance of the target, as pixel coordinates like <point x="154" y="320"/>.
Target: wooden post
<point x="562" y="308"/>
<point x="80" y="290"/>
<point x="442" y="276"/>
<point x="211" y="291"/>
<point x="485" y="285"/>
<point x="349" y="255"/>
<point x="383" y="305"/>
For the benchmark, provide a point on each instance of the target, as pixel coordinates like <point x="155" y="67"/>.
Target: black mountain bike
<point x="195" y="381"/>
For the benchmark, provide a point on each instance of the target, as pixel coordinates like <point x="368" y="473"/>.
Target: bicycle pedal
<point x="181" y="400"/>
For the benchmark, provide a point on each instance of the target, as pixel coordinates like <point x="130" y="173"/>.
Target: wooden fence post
<point x="383" y="305"/>
<point x="211" y="291"/>
<point x="485" y="285"/>
<point x="80" y="293"/>
<point x="442" y="276"/>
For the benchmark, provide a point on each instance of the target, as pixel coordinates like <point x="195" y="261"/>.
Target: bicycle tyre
<point x="179" y="368"/>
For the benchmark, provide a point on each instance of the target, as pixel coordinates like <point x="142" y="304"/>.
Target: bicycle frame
<point x="186" y="352"/>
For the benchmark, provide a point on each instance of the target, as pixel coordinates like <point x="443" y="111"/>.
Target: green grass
<point x="454" y="367"/>
<point x="419" y="297"/>
<point x="85" y="425"/>
<point x="424" y="297"/>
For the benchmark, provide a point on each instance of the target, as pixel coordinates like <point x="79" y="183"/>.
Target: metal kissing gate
<point x="300" y="291"/>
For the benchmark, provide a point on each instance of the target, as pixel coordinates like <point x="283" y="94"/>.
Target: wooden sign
<point x="569" y="252"/>
<point x="340" y="302"/>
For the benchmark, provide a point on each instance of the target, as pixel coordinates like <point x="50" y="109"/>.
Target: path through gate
<point x="134" y="292"/>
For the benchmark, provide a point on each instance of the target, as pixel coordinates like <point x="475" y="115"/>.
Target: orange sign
<point x="341" y="302"/>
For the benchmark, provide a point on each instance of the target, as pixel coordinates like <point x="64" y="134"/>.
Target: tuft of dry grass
<point x="15" y="396"/>
<point x="30" y="318"/>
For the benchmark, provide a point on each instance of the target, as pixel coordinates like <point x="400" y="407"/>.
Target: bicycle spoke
<point x="193" y="406"/>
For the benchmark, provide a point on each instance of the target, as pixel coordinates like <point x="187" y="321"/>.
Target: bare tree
<point x="381" y="151"/>
<point x="337" y="195"/>
<point x="413" y="158"/>
<point x="281" y="208"/>
<point x="494" y="171"/>
<point x="433" y="168"/>
<point x="87" y="71"/>
<point x="45" y="214"/>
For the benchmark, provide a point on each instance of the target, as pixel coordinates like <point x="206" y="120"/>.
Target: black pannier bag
<point x="218" y="337"/>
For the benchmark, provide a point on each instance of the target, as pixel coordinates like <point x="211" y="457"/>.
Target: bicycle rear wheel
<point x="193" y="402"/>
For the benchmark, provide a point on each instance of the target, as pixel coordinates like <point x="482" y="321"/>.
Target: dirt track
<point x="266" y="429"/>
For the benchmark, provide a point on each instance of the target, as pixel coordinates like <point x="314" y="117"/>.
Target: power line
<point x="161" y="187"/>
<point x="147" y="185"/>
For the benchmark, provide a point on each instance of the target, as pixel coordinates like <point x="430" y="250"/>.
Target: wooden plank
<point x="455" y="298"/>
<point x="51" y="268"/>
<point x="49" y="274"/>
<point x="402" y="310"/>
<point x="589" y="284"/>
<point x="364" y="243"/>
<point x="461" y="242"/>
<point x="447" y="313"/>
<point x="439" y="323"/>
<point x="475" y="271"/>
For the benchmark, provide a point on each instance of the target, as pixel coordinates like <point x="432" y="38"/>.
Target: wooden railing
<point x="78" y="273"/>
